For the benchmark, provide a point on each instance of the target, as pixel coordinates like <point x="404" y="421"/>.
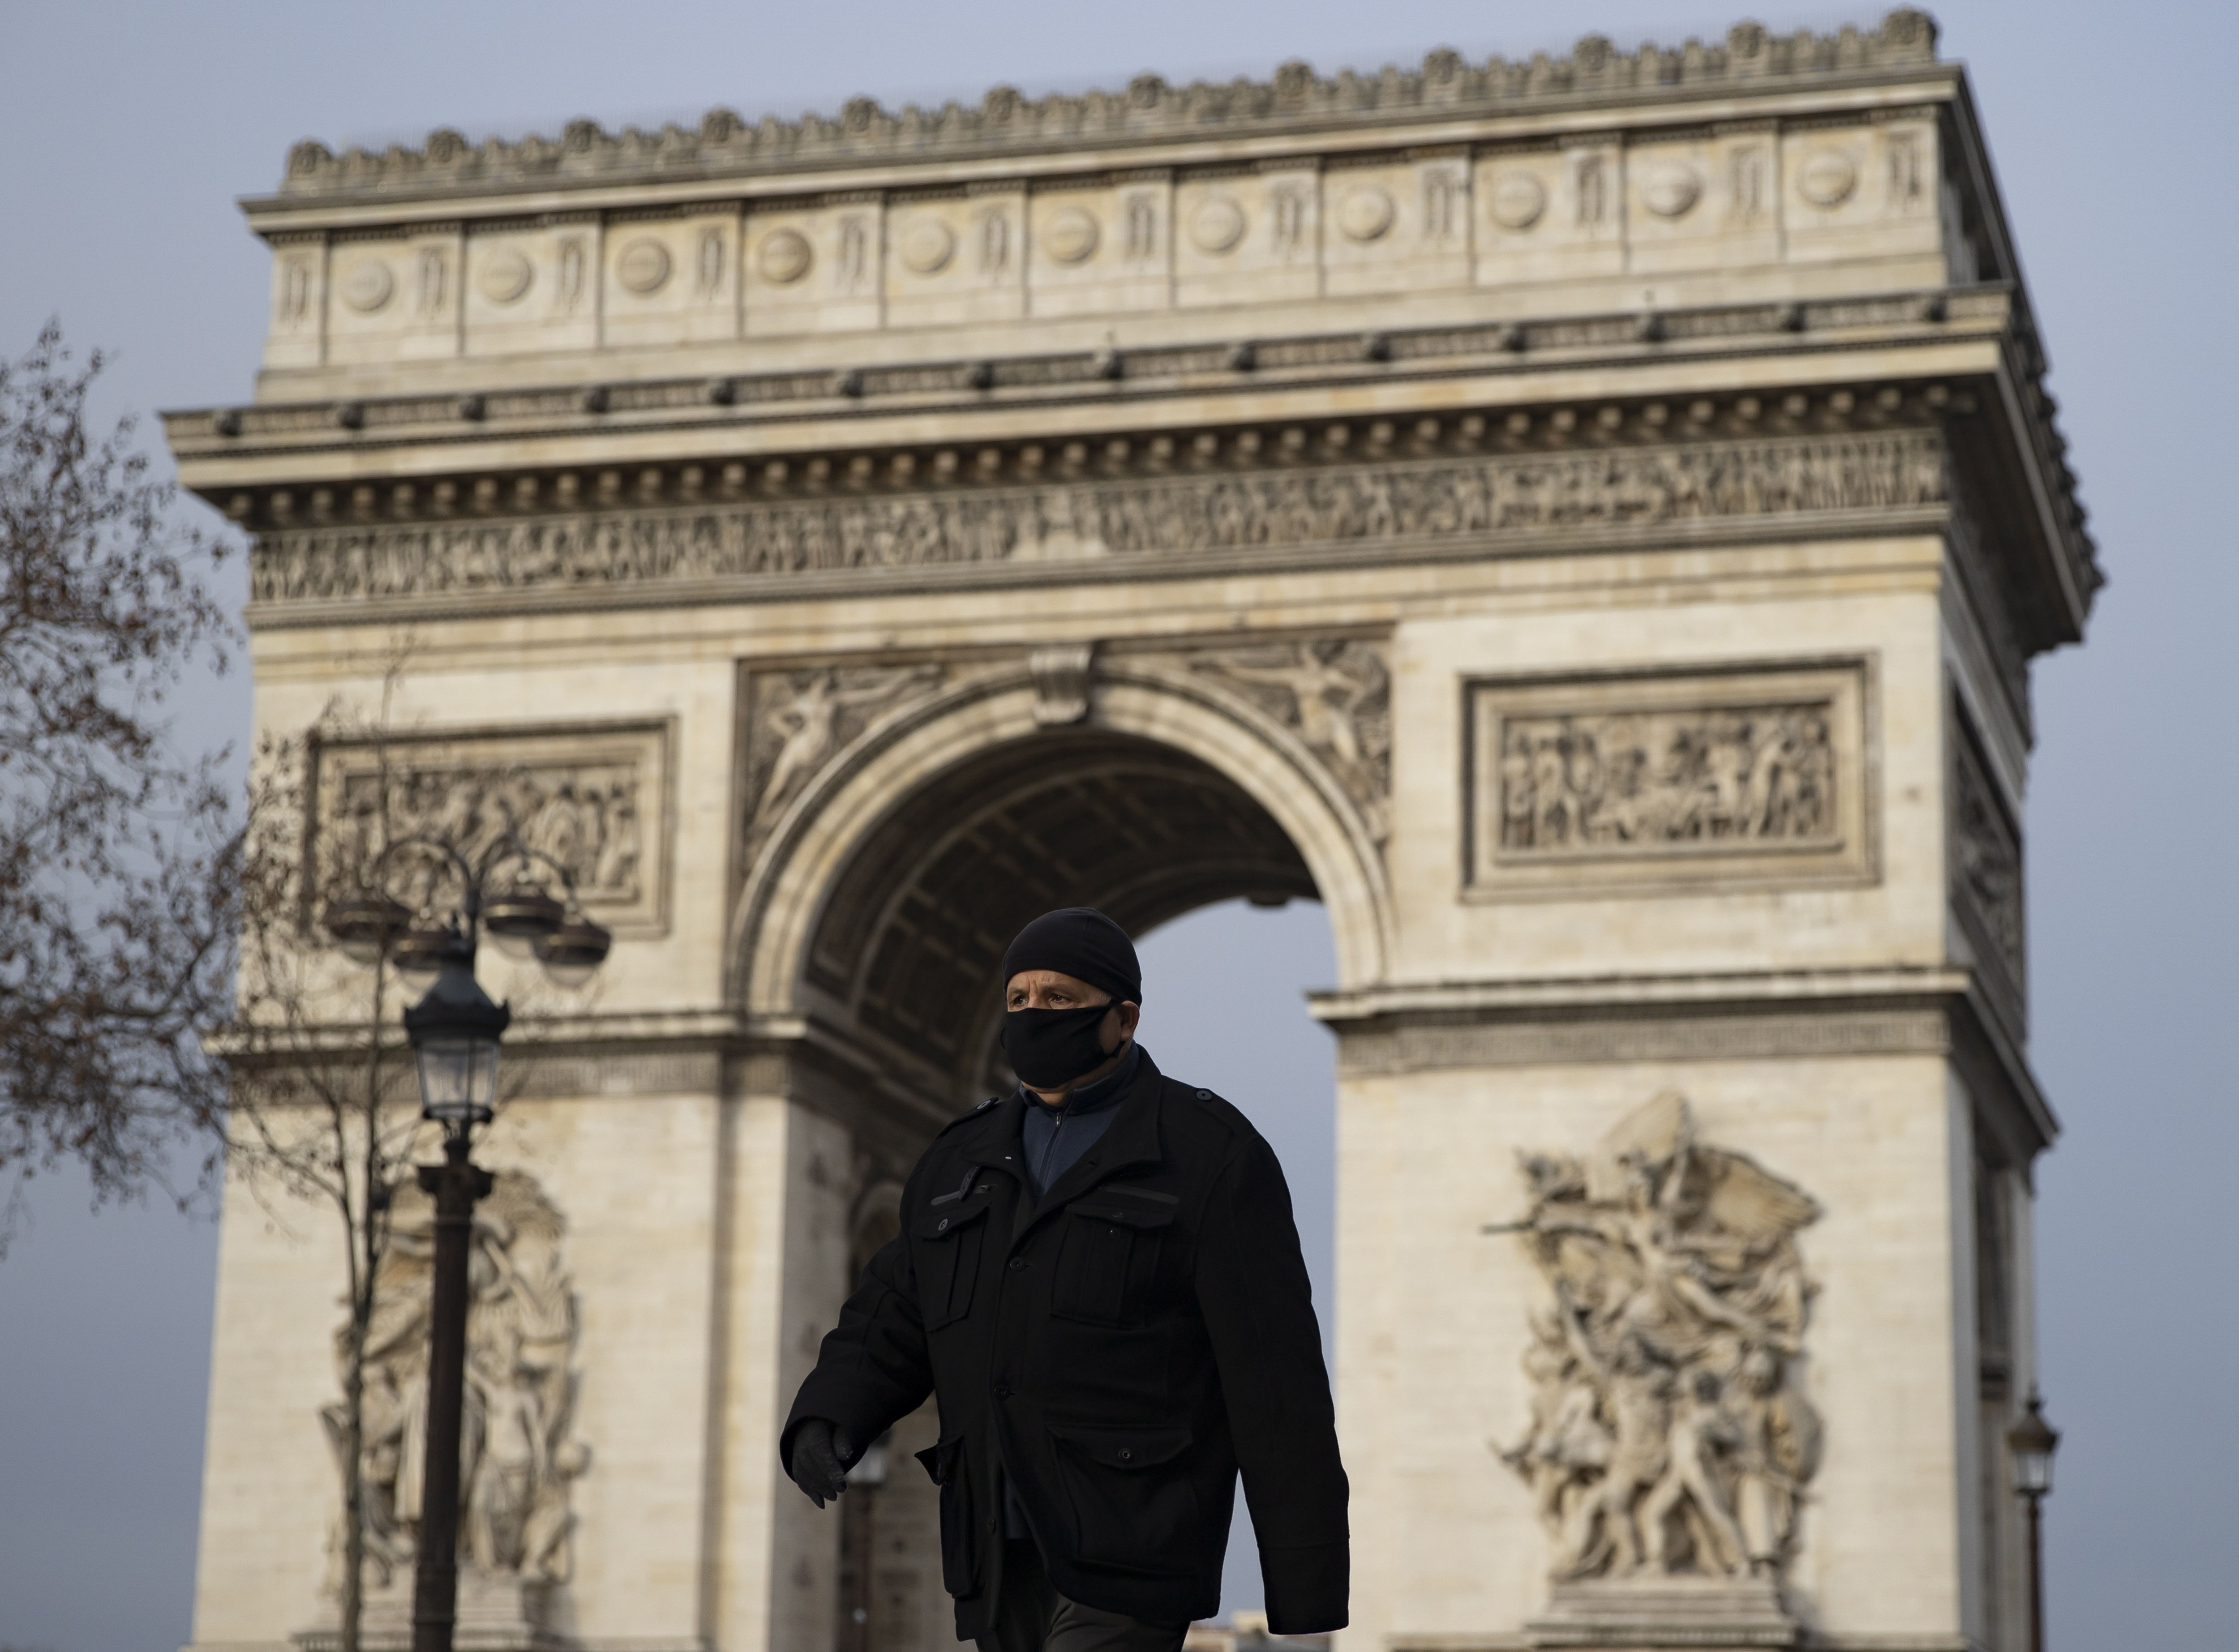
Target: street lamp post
<point x="2031" y="1442"/>
<point x="455" y="1030"/>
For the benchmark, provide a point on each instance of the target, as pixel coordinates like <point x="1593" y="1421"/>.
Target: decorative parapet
<point x="1446" y="85"/>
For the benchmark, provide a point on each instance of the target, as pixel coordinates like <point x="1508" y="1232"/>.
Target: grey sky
<point x="128" y="129"/>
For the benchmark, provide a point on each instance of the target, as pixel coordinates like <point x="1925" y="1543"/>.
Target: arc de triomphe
<point x="1585" y="521"/>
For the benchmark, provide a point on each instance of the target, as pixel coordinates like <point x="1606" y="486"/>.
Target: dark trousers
<point x="1031" y="1616"/>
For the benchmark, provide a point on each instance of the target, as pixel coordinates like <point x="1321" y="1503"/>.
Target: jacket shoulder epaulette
<point x="966" y="1118"/>
<point x="1213" y="1108"/>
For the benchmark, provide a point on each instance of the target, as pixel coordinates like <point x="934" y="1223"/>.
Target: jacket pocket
<point x="1133" y="1505"/>
<point x="945" y="1249"/>
<point x="1107" y="1256"/>
<point x="960" y="1567"/>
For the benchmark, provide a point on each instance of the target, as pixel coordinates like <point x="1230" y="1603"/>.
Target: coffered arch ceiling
<point x="913" y="932"/>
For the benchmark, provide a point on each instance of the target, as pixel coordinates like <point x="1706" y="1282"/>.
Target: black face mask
<point x="1049" y="1047"/>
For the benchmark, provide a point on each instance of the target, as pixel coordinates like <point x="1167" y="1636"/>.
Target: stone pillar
<point x="1678" y="1170"/>
<point x="788" y="1180"/>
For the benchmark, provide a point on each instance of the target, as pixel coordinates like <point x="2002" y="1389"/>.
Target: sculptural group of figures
<point x="516" y="1453"/>
<point x="1669" y="1434"/>
<point x="1762" y="772"/>
<point x="585" y="816"/>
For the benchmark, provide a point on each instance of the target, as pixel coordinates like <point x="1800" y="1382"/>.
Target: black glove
<point x="821" y="1455"/>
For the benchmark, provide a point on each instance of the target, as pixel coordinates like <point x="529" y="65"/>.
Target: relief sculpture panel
<point x="793" y="722"/>
<point x="1670" y="1437"/>
<point x="1614" y="780"/>
<point x="594" y="800"/>
<point x="1336" y="696"/>
<point x="1745" y="775"/>
<point x="521" y="1454"/>
<point x="1985" y="859"/>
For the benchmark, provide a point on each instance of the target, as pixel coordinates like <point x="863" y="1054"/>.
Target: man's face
<point x="1054" y="989"/>
<point x="1050" y="990"/>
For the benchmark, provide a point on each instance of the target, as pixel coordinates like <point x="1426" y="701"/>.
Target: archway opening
<point x="1225" y="913"/>
<point x="913" y="931"/>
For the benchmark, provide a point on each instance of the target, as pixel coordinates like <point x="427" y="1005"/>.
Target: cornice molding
<point x="466" y="420"/>
<point x="1150" y="110"/>
<point x="1774" y="1017"/>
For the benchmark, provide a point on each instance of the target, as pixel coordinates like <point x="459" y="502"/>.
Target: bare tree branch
<point x="118" y="855"/>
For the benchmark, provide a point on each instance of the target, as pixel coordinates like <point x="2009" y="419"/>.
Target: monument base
<point x="1721" y="1612"/>
<point x="497" y="1612"/>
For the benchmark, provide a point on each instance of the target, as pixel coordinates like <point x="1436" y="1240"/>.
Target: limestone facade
<point x="1587" y="521"/>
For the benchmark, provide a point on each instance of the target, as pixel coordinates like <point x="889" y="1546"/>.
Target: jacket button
<point x="1204" y="1095"/>
<point x="1125" y="1455"/>
<point x="1017" y="1263"/>
<point x="941" y="1226"/>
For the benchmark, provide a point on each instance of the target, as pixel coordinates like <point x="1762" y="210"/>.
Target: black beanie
<point x="1083" y="943"/>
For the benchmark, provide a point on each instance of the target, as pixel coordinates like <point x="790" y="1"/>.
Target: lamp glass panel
<point x="2033" y="1473"/>
<point x="360" y="947"/>
<point x="458" y="1079"/>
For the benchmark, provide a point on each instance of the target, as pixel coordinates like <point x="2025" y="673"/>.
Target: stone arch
<point x="880" y="898"/>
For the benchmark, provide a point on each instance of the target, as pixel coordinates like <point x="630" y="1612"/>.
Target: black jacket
<point x="1116" y="1351"/>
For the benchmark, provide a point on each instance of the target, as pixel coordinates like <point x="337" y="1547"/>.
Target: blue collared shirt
<point x="1053" y="1139"/>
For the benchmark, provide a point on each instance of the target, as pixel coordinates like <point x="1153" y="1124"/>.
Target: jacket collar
<point x="991" y="1138"/>
<point x="1112" y="1089"/>
<point x="1131" y="1139"/>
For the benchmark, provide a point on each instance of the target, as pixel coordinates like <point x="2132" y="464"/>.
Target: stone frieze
<point x="1432" y="502"/>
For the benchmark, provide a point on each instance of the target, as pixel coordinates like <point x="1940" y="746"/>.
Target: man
<point x="1099" y="1277"/>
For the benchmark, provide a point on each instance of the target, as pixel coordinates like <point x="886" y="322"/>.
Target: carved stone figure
<point x="1986" y="861"/>
<point x="1337" y="695"/>
<point x="1670" y="1434"/>
<point x="519" y="1453"/>
<point x="1643" y="779"/>
<point x="799" y="719"/>
<point x="1062" y="675"/>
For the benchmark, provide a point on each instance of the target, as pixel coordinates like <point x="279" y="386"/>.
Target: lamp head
<point x="572" y="953"/>
<point x="2031" y="1441"/>
<point x="455" y="1032"/>
<point x="366" y="925"/>
<point x="421" y="951"/>
<point x="520" y="918"/>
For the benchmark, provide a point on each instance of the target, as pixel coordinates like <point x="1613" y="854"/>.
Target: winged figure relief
<point x="1670" y="1434"/>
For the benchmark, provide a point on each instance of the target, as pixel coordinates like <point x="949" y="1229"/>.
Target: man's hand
<point x="821" y="1455"/>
